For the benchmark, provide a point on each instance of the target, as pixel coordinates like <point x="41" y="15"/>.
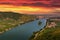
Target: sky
<point x="30" y="6"/>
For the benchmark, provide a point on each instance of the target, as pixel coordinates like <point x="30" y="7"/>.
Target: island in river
<point x="50" y="32"/>
<point x="9" y="20"/>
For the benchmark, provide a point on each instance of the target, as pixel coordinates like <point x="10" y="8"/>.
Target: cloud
<point x="35" y="4"/>
<point x="45" y="3"/>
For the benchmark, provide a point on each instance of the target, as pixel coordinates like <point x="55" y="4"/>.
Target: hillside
<point x="50" y="32"/>
<point x="10" y="20"/>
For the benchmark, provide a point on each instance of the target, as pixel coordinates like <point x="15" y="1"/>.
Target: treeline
<point x="10" y="15"/>
<point x="15" y="16"/>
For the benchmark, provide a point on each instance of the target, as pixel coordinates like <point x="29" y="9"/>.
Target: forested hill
<point x="13" y="15"/>
<point x="10" y="15"/>
<point x="9" y="20"/>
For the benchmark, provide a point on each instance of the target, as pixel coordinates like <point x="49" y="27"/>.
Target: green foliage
<point x="49" y="33"/>
<point x="11" y="19"/>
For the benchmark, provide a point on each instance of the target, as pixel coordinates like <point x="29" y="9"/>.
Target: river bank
<point x="7" y="29"/>
<point x="50" y="32"/>
<point x="10" y="20"/>
<point x="35" y="34"/>
<point x="23" y="32"/>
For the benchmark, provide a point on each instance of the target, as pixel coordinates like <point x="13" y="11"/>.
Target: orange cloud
<point x="27" y="9"/>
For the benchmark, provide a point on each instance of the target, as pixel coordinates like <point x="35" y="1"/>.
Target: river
<point x="24" y="31"/>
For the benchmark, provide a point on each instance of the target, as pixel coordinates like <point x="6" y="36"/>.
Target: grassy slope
<point x="9" y="20"/>
<point x="48" y="33"/>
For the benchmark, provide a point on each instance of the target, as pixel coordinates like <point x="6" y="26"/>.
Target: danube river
<point x="23" y="32"/>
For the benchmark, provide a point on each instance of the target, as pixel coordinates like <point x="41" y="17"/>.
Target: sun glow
<point x="25" y="9"/>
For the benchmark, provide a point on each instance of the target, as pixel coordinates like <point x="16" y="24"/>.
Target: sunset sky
<point x="30" y="6"/>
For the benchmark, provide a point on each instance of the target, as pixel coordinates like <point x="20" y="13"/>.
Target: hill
<point x="10" y="20"/>
<point x="50" y="32"/>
